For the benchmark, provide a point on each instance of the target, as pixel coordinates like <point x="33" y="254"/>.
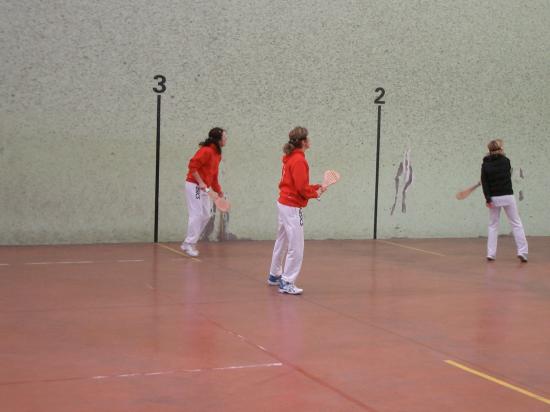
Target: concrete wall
<point x="78" y="113"/>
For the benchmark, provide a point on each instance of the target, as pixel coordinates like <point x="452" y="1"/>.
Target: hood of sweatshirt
<point x="293" y="154"/>
<point x="493" y="157"/>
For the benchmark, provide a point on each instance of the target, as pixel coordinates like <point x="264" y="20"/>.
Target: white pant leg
<point x="293" y="225"/>
<point x="280" y="248"/>
<point x="492" y="237"/>
<point x="199" y="207"/>
<point x="511" y="210"/>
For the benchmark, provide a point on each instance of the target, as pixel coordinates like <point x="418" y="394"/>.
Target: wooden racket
<point x="467" y="192"/>
<point x="329" y="178"/>
<point x="221" y="203"/>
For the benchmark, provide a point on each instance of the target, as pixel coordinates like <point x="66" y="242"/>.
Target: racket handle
<point x="213" y="195"/>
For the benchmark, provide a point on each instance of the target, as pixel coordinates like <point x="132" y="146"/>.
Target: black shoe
<point x="490" y="258"/>
<point x="273" y="280"/>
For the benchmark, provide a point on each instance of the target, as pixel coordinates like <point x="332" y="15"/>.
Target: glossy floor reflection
<point x="143" y="328"/>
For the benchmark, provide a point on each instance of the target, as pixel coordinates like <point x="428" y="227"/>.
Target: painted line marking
<point x="224" y="368"/>
<point x="179" y="253"/>
<point x="141" y="374"/>
<point x="498" y="381"/>
<point x="81" y="262"/>
<point x="261" y="365"/>
<point x="412" y="248"/>
<point x="244" y="339"/>
<point x="78" y="262"/>
<point x="156" y="373"/>
<point x="4" y="264"/>
<point x="297" y="368"/>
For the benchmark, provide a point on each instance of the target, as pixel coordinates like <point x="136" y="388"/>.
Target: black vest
<point x="496" y="176"/>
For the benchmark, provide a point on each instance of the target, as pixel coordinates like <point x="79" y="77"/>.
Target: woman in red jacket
<point x="201" y="178"/>
<point x="295" y="191"/>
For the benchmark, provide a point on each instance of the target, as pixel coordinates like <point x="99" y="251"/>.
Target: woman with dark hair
<point x="201" y="178"/>
<point x="295" y="191"/>
<point x="496" y="179"/>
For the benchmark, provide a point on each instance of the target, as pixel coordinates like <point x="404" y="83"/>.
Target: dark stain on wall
<point x="403" y="180"/>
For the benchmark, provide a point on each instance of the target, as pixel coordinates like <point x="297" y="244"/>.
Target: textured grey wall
<point x="78" y="113"/>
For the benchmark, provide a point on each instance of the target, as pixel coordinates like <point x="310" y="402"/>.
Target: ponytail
<point x="289" y="147"/>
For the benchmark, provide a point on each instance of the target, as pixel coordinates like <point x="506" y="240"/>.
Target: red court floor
<point x="400" y="325"/>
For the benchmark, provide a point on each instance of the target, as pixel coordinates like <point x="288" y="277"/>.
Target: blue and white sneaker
<point x="290" y="288"/>
<point x="273" y="280"/>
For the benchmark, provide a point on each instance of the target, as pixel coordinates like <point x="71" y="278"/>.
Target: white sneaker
<point x="290" y="288"/>
<point x="522" y="257"/>
<point x="189" y="249"/>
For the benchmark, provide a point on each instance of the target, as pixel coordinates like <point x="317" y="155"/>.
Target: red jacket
<point x="294" y="187"/>
<point x="206" y="162"/>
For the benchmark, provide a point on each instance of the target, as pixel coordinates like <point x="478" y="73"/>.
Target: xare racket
<point x="221" y="203"/>
<point x="330" y="177"/>
<point x="467" y="192"/>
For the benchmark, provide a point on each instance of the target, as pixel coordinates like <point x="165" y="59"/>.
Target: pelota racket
<point x="467" y="192"/>
<point x="221" y="203"/>
<point x="330" y="177"/>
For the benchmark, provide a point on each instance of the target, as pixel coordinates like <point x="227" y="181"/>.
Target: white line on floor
<point x="68" y="262"/>
<point x="59" y="263"/>
<point x="224" y="368"/>
<point x="80" y="262"/>
<point x="411" y="248"/>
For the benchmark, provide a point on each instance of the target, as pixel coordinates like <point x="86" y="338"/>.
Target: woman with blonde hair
<point x="294" y="193"/>
<point x="496" y="179"/>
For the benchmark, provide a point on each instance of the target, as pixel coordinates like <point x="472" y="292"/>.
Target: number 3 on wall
<point x="161" y="83"/>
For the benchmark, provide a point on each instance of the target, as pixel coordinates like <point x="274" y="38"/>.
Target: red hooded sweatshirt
<point x="294" y="187"/>
<point x="206" y="162"/>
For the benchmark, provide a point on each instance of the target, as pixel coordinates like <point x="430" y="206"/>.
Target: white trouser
<point x="199" y="207"/>
<point x="509" y="204"/>
<point x="290" y="242"/>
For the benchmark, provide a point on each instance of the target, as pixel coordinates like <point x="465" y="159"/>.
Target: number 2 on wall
<point x="379" y="100"/>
